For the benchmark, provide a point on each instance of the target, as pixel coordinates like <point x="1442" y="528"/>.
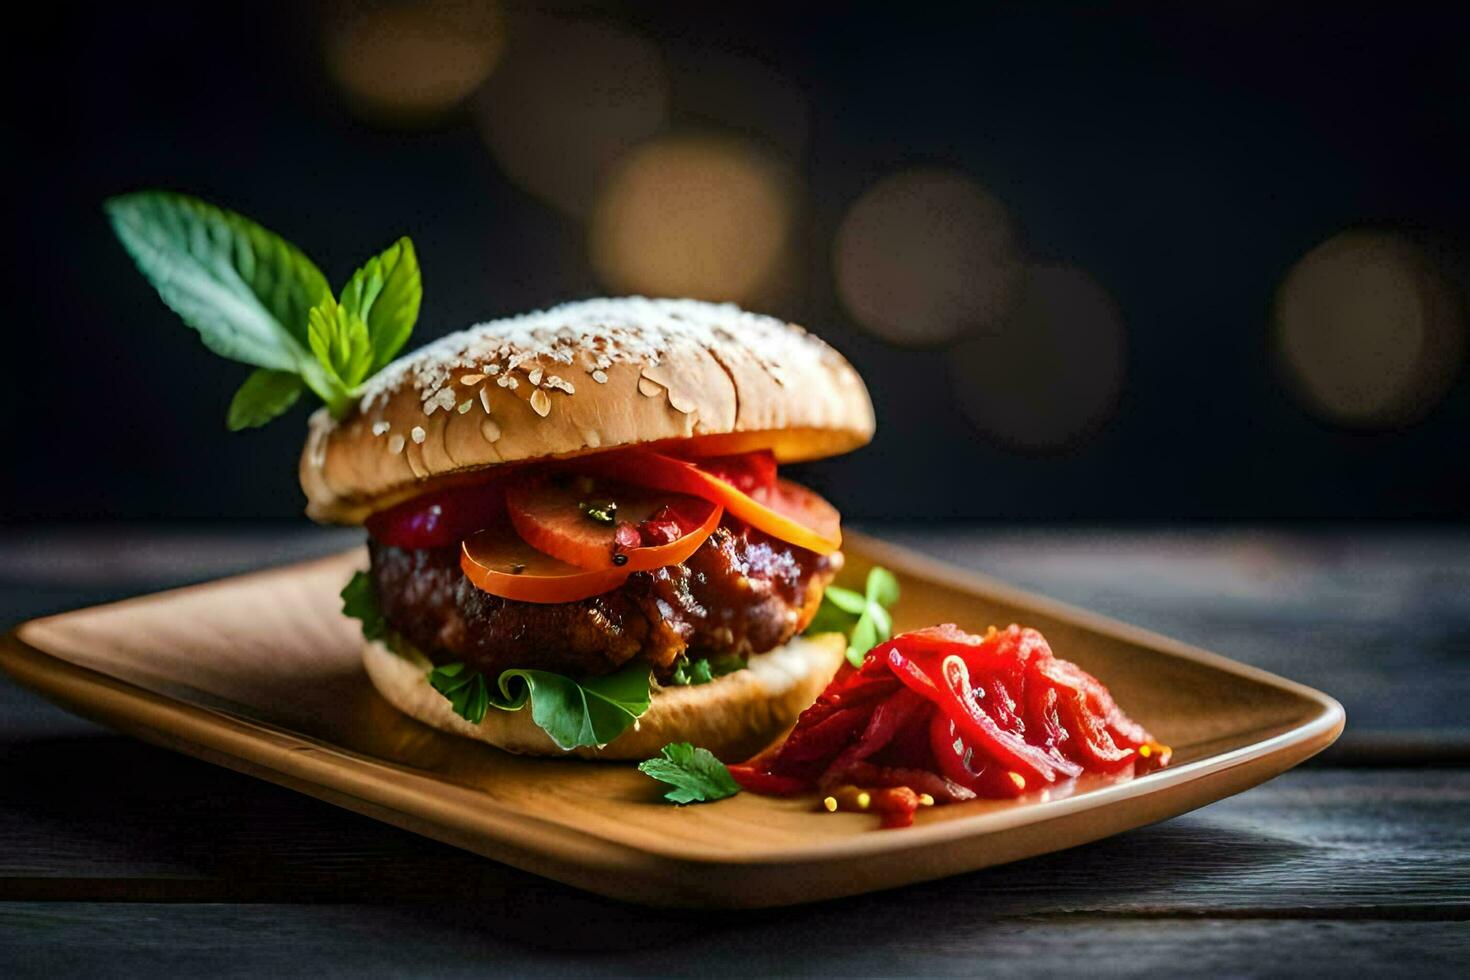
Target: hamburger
<point x="588" y="499"/>
<point x="578" y="537"/>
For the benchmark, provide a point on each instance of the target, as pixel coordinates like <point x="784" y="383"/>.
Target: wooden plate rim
<point x="299" y="762"/>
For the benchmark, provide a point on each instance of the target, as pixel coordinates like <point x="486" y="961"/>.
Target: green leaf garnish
<point x="244" y="288"/>
<point x="256" y="298"/>
<point x="882" y="587"/>
<point x="574" y="713"/>
<point x="339" y="339"/>
<point x="702" y="670"/>
<point x="385" y="293"/>
<point x="846" y="599"/>
<point x="695" y="774"/>
<point x="466" y="690"/>
<point x="360" y="601"/>
<point x="264" y="395"/>
<point x="863" y="616"/>
<point x="592" y="712"/>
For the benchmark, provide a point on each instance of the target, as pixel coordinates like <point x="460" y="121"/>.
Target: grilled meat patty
<point x="741" y="592"/>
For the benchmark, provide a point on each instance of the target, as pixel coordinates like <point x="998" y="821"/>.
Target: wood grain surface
<point x="157" y="863"/>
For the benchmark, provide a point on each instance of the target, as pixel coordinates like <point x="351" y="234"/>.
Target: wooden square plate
<point x="260" y="673"/>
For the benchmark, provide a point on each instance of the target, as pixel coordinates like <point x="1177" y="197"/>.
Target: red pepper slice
<point x="821" y="741"/>
<point x="913" y="676"/>
<point x="764" y="782"/>
<point x="977" y="725"/>
<point x="960" y="763"/>
<point x="883" y="726"/>
<point x="1091" y="744"/>
<point x="1044" y="723"/>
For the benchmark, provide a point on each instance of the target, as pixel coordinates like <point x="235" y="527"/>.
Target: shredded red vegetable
<point x="939" y="715"/>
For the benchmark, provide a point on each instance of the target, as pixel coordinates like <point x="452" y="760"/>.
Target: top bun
<point x="582" y="377"/>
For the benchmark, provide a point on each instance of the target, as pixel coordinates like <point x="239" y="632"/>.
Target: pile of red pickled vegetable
<point x="940" y="715"/>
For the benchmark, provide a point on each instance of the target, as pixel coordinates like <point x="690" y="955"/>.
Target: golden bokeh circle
<point x="410" y="64"/>
<point x="706" y="217"/>
<point x="926" y="256"/>
<point x="1369" y="330"/>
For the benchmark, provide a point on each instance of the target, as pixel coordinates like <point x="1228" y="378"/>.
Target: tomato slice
<point x="498" y="562"/>
<point x="441" y="519"/>
<point x="596" y="523"/>
<point x="787" y="510"/>
<point x="747" y="472"/>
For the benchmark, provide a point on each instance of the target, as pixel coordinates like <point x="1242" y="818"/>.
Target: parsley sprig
<point x="695" y="774"/>
<point x="862" y="616"/>
<point x="254" y="297"/>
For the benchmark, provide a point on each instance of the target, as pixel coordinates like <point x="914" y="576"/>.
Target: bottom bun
<point x="733" y="716"/>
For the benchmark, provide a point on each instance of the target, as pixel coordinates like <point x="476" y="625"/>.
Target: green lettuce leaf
<point x="702" y="670"/>
<point x="360" y="601"/>
<point x="695" y="774"/>
<point x="466" y="690"/>
<point x="574" y="713"/>
<point x="591" y="712"/>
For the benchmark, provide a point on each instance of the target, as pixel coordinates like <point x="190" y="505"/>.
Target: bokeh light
<point x="569" y="98"/>
<point x="707" y="217"/>
<point x="1053" y="373"/>
<point x="925" y="256"/>
<point x="1369" y="330"/>
<point x="410" y="64"/>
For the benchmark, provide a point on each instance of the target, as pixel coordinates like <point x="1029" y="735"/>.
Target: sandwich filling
<point x="580" y="568"/>
<point x="741" y="592"/>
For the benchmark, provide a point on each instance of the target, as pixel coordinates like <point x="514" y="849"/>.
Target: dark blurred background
<point x="1140" y="266"/>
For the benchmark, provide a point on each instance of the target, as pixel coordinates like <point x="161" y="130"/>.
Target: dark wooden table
<point x="118" y="859"/>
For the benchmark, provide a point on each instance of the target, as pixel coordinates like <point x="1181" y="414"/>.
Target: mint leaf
<point x="846" y="599"/>
<point x="882" y="587"/>
<point x="254" y="297"/>
<point x="360" y="601"/>
<point x="864" y="638"/>
<point x="263" y="396"/>
<point x="593" y="712"/>
<point x="339" y="339"/>
<point x="831" y="619"/>
<point x="386" y="293"/>
<point x="468" y="694"/>
<point x="245" y="289"/>
<point x="695" y="774"/>
<point x="863" y="617"/>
